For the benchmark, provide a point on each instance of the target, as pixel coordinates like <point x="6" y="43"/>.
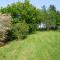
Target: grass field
<point x="38" y="46"/>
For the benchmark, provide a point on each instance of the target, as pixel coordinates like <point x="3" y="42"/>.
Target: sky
<point x="37" y="3"/>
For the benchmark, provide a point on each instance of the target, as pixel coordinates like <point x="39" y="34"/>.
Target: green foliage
<point x="26" y="1"/>
<point x="58" y="18"/>
<point x="20" y="30"/>
<point x="22" y="12"/>
<point x="1" y="35"/>
<point x="25" y="18"/>
<point x="9" y="35"/>
<point x="51" y="16"/>
<point x="32" y="28"/>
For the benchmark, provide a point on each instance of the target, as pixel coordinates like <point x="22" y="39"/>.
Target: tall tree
<point x="26" y="1"/>
<point x="44" y="13"/>
<point x="52" y="16"/>
<point x="58" y="18"/>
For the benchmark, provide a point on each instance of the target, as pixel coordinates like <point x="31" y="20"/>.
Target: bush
<point x="1" y="36"/>
<point x="9" y="35"/>
<point x="20" y="30"/>
<point x="32" y="28"/>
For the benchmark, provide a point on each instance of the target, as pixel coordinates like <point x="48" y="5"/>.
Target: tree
<point x="52" y="16"/>
<point x="44" y="14"/>
<point x="26" y="1"/>
<point x="58" y="18"/>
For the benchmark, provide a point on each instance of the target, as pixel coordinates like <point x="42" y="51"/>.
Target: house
<point x="42" y="25"/>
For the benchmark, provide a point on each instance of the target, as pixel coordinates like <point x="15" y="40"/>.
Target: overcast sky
<point x="37" y="3"/>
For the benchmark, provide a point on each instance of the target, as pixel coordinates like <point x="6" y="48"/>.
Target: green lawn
<point x="38" y="46"/>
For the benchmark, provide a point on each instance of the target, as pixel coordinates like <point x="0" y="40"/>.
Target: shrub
<point x="9" y="35"/>
<point x="32" y="28"/>
<point x="5" y="24"/>
<point x="20" y="30"/>
<point x="1" y="36"/>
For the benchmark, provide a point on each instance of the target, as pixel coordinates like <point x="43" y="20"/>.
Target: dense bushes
<point x="20" y="30"/>
<point x="25" y="18"/>
<point x="32" y="28"/>
<point x="5" y="24"/>
<point x="9" y="35"/>
<point x="1" y="36"/>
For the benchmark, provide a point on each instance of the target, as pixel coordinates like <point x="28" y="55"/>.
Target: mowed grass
<point x="38" y="46"/>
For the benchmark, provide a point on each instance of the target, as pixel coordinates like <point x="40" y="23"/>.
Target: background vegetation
<point x="43" y="45"/>
<point x="25" y="18"/>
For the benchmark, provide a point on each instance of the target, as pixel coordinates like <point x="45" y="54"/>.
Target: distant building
<point x="42" y="25"/>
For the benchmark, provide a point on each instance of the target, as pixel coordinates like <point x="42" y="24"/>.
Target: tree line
<point x="25" y="18"/>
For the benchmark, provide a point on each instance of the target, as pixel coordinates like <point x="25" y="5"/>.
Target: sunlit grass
<point x="38" y="46"/>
